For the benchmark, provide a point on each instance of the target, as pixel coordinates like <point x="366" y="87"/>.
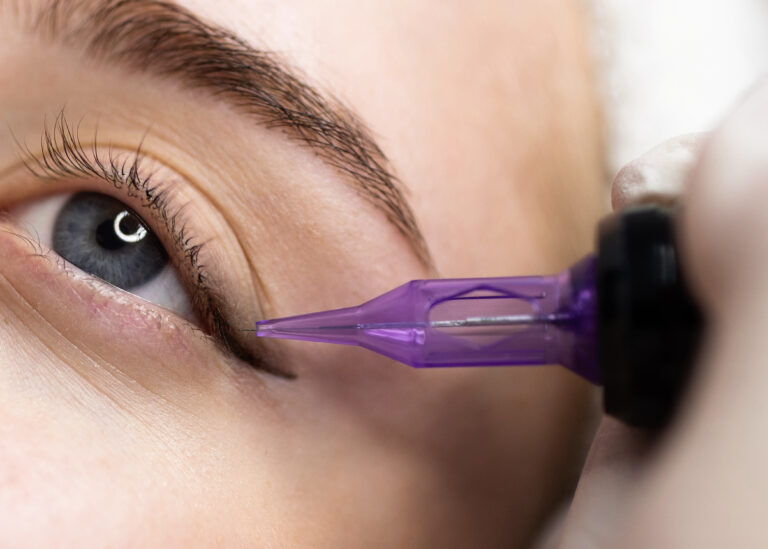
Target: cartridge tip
<point x="264" y="328"/>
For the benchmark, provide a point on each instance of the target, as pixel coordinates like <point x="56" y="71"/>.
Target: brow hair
<point x="157" y="37"/>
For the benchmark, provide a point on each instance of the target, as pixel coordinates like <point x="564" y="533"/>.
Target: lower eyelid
<point x="33" y="263"/>
<point x="228" y="345"/>
<point x="85" y="304"/>
<point x="86" y="316"/>
<point x="164" y="289"/>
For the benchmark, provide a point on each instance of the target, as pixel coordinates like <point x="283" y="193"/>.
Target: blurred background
<point x="673" y="66"/>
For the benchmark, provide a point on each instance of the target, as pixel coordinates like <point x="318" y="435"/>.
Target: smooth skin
<point x="122" y="426"/>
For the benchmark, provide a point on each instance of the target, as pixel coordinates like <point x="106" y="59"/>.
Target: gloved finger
<point x="708" y="487"/>
<point x="613" y="467"/>
<point x="659" y="175"/>
<point x="724" y="222"/>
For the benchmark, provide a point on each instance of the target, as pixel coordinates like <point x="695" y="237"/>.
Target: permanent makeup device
<point x="622" y="318"/>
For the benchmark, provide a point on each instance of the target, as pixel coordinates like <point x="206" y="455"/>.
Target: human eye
<point x="123" y="217"/>
<point x="104" y="237"/>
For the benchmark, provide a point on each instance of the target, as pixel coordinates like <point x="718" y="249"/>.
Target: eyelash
<point x="64" y="156"/>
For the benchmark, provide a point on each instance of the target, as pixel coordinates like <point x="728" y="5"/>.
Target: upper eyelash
<point x="63" y="155"/>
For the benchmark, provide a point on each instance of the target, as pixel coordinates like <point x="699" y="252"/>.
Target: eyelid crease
<point x="62" y="155"/>
<point x="165" y="39"/>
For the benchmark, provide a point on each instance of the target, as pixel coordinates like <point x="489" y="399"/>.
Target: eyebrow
<point x="163" y="39"/>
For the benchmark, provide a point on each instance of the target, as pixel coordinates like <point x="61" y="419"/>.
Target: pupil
<point x="129" y="225"/>
<point x="106" y="236"/>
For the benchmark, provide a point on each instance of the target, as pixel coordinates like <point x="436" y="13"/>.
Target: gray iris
<point x="101" y="236"/>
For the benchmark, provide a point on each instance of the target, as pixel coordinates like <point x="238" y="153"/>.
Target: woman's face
<point x="330" y="152"/>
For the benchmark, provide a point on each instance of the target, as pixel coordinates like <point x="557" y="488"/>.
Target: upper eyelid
<point x="62" y="154"/>
<point x="168" y="41"/>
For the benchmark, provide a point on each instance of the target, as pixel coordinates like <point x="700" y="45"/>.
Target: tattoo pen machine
<point x="622" y="318"/>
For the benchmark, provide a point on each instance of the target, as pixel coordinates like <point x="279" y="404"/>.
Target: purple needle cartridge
<point x="467" y="322"/>
<point x="622" y="318"/>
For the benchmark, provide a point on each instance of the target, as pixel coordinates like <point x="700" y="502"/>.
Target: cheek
<point x="80" y="450"/>
<point x="55" y="478"/>
<point x="78" y="470"/>
<point x="68" y="482"/>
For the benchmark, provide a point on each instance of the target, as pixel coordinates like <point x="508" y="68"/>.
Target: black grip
<point x="649" y="326"/>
